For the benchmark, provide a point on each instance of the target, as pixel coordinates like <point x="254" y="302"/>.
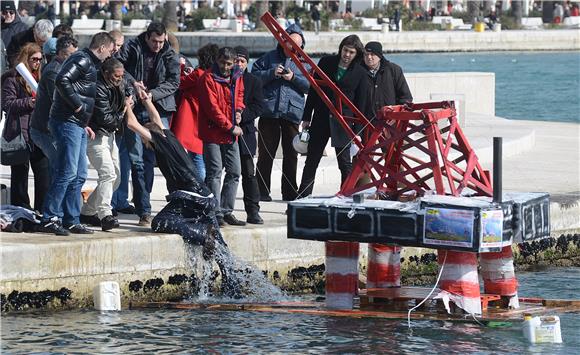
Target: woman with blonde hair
<point x="18" y="101"/>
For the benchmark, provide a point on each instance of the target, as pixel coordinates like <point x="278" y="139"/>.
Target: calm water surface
<point x="179" y="331"/>
<point x="528" y="85"/>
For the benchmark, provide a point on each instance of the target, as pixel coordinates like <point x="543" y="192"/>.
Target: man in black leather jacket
<point x="102" y="151"/>
<point x="74" y="100"/>
<point x="153" y="66"/>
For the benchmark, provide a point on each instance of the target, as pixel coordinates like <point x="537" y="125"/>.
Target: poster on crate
<point x="448" y="227"/>
<point x="491" y="231"/>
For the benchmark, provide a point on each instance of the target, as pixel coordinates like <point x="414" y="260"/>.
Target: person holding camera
<point x="284" y="87"/>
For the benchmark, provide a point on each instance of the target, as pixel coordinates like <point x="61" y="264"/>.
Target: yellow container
<point x="479" y="27"/>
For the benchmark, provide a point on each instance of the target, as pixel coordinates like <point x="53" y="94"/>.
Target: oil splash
<point x="235" y="282"/>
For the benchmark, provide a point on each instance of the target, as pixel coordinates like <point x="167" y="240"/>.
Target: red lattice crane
<point x="413" y="147"/>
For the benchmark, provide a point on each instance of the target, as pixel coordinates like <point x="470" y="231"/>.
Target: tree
<point x="116" y="13"/>
<point x="170" y="15"/>
<point x="263" y="7"/>
<point x="473" y="10"/>
<point x="517" y="11"/>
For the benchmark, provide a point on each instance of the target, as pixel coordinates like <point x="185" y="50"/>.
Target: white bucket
<point x="542" y="329"/>
<point x="107" y="296"/>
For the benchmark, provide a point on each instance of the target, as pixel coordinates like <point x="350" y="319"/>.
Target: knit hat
<point x="8" y="5"/>
<point x="374" y="47"/>
<point x="242" y="51"/>
<point x="49" y="47"/>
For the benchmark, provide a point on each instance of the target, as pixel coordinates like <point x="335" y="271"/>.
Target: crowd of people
<point x="101" y="104"/>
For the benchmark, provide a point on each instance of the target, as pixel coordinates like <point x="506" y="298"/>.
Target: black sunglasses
<point x="8" y="12"/>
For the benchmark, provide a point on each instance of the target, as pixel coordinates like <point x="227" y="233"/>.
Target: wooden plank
<point x="399" y="293"/>
<point x="561" y="303"/>
<point x="317" y="309"/>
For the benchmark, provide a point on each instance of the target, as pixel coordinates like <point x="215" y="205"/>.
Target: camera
<point x="285" y="71"/>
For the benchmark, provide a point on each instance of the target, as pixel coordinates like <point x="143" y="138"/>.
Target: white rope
<point x="429" y="295"/>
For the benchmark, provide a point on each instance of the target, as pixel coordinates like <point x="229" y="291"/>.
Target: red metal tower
<point x="415" y="147"/>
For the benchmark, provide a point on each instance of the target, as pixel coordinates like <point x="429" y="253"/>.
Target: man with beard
<point x="221" y="104"/>
<point x="102" y="151"/>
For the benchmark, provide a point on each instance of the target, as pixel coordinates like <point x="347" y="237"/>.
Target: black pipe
<point x="497" y="160"/>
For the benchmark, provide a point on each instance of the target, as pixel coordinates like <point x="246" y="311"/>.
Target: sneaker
<point x="145" y="220"/>
<point x="114" y="212"/>
<point x="127" y="210"/>
<point x="265" y="198"/>
<point x="254" y="218"/>
<point x="90" y="220"/>
<point x="80" y="229"/>
<point x="117" y="225"/>
<point x="108" y="223"/>
<point x="232" y="220"/>
<point x="52" y="226"/>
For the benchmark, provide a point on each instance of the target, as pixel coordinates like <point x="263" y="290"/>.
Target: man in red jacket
<point x="221" y="103"/>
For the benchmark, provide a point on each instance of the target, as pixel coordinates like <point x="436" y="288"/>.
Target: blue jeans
<point x="70" y="172"/>
<point x="47" y="143"/>
<point x="199" y="166"/>
<point x="217" y="157"/>
<point x="120" y="198"/>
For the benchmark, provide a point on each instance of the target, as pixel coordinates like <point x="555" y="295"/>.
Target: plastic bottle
<point x="107" y="296"/>
<point x="542" y="329"/>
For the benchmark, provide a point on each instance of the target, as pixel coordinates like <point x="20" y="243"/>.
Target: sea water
<point x="543" y="86"/>
<point x="186" y="331"/>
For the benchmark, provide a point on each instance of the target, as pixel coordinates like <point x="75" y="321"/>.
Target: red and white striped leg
<point x="384" y="266"/>
<point x="499" y="277"/>
<point x="341" y="274"/>
<point x="459" y="280"/>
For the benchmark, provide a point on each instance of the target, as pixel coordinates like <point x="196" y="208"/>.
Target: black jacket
<point x="18" y="40"/>
<point x="254" y="101"/>
<point x="354" y="85"/>
<point x="164" y="82"/>
<point x="44" y="95"/>
<point x="388" y="87"/>
<point x="76" y="85"/>
<point x="109" y="107"/>
<point x="9" y="30"/>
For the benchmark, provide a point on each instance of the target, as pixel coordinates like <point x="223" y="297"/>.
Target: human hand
<point x="237" y="131"/>
<point x="181" y="61"/>
<point x="279" y="71"/>
<point x="287" y="74"/>
<point x="139" y="86"/>
<point x="129" y="102"/>
<point x="90" y="132"/>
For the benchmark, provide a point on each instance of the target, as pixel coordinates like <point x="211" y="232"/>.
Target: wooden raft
<point x="376" y="304"/>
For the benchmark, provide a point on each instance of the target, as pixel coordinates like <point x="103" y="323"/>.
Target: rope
<point x="429" y="295"/>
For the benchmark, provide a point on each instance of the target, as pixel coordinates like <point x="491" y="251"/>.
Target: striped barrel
<point x="499" y="278"/>
<point x="341" y="274"/>
<point x="384" y="267"/>
<point x="459" y="280"/>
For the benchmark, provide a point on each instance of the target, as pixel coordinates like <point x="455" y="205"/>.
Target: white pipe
<point x="23" y="70"/>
